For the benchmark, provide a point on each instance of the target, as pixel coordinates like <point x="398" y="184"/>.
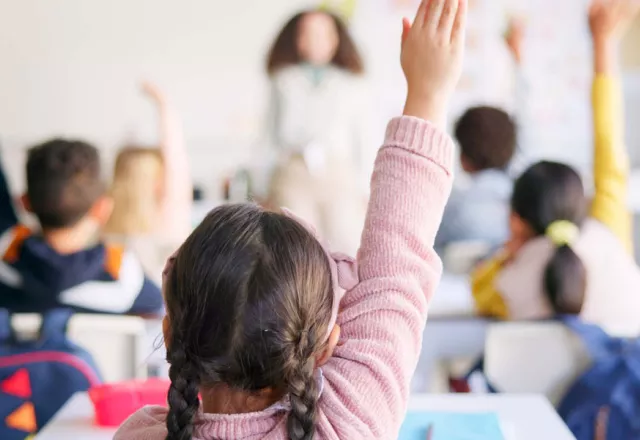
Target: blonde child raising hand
<point x="152" y="191"/>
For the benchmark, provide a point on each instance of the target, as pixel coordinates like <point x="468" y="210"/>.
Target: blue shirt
<point x="479" y="211"/>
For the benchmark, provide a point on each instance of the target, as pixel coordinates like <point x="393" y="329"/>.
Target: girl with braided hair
<point x="270" y="336"/>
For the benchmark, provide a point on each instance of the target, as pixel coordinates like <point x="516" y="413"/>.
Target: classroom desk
<point x="521" y="417"/>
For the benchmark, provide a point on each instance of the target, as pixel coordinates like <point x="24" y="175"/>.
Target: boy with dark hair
<point x="65" y="264"/>
<point x="479" y="211"/>
<point x="487" y="139"/>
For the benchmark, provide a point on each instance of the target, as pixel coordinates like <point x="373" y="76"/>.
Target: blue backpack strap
<point x="595" y="340"/>
<point x="54" y="324"/>
<point x="6" y="330"/>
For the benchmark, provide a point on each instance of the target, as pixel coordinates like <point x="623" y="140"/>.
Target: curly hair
<point x="284" y="51"/>
<point x="249" y="298"/>
<point x="63" y="181"/>
<point x="487" y="138"/>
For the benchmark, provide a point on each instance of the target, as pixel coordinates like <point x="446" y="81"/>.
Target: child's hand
<point x="432" y="53"/>
<point x="514" y="38"/>
<point x="609" y="19"/>
<point x="153" y="92"/>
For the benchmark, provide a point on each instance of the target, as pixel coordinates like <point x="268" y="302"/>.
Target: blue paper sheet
<point x="451" y="426"/>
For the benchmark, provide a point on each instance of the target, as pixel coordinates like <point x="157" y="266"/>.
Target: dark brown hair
<point x="487" y="137"/>
<point x="545" y="193"/>
<point x="63" y="181"/>
<point x="249" y="299"/>
<point x="284" y="51"/>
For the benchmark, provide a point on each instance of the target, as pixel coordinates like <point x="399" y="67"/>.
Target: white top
<point x="521" y="417"/>
<point x="331" y="116"/>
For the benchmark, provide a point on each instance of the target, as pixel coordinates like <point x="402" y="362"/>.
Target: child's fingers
<point x="406" y="27"/>
<point x="460" y="23"/>
<point x="449" y="13"/>
<point x="421" y="15"/>
<point x="434" y="13"/>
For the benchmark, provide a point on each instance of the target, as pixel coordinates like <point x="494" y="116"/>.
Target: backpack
<point x="604" y="403"/>
<point x="38" y="377"/>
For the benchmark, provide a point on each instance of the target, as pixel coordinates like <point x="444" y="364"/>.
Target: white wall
<point x="71" y="67"/>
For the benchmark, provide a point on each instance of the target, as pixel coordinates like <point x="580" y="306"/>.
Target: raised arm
<point x="383" y="317"/>
<point x="523" y="157"/>
<point x="608" y="22"/>
<point x="177" y="183"/>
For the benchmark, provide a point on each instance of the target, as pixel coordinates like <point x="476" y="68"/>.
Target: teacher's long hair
<point x="284" y="51"/>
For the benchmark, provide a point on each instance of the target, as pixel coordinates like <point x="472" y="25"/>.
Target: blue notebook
<point x="451" y="426"/>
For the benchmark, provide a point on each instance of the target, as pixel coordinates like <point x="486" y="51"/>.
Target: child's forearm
<point x="177" y="185"/>
<point x="604" y="56"/>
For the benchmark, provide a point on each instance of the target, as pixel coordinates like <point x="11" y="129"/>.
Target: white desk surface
<point x="522" y="417"/>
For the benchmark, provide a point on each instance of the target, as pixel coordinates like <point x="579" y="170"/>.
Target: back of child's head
<point x="547" y="194"/>
<point x="249" y="300"/>
<point x="136" y="191"/>
<point x="63" y="182"/>
<point x="487" y="137"/>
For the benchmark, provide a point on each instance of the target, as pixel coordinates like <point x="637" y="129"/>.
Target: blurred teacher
<point x="317" y="126"/>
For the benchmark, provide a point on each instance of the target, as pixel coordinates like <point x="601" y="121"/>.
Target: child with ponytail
<point x="562" y="257"/>
<point x="270" y="336"/>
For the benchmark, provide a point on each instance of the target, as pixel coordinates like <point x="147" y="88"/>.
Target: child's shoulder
<point x="146" y="424"/>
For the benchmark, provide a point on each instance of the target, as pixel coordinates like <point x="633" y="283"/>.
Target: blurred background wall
<point x="71" y="67"/>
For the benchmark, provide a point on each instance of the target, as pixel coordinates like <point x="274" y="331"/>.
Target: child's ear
<point x="520" y="230"/>
<point x="466" y="164"/>
<point x="26" y="204"/>
<point x="101" y="210"/>
<point x="332" y="343"/>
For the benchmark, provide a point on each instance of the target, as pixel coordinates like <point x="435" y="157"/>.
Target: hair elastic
<point x="562" y="232"/>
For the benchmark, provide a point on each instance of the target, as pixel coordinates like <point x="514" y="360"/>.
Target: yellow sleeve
<point x="610" y="162"/>
<point x="488" y="300"/>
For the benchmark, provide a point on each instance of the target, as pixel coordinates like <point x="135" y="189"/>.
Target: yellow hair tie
<point x="344" y="8"/>
<point x="562" y="232"/>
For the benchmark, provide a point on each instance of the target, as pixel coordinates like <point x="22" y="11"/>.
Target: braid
<point x="183" y="395"/>
<point x="303" y="393"/>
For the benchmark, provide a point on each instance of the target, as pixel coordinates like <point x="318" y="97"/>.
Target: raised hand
<point x="610" y="19"/>
<point x="608" y="22"/>
<point x="514" y="38"/>
<point x="432" y="53"/>
<point x="153" y="92"/>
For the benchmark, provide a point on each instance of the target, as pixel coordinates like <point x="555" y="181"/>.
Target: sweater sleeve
<point x="382" y="319"/>
<point x="611" y="164"/>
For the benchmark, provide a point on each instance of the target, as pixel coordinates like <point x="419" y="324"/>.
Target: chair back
<point x="534" y="358"/>
<point x="118" y="344"/>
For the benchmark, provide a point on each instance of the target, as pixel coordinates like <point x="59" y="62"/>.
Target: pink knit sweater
<point x="366" y="382"/>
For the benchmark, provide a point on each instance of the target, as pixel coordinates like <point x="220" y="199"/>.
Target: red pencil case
<point x="115" y="402"/>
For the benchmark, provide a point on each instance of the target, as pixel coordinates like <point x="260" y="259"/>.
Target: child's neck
<point x="70" y="240"/>
<point x="222" y="399"/>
